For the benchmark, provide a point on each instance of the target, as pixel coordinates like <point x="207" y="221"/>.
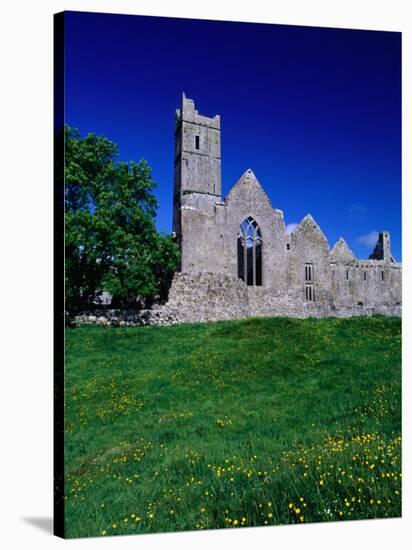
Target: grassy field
<point x="232" y="424"/>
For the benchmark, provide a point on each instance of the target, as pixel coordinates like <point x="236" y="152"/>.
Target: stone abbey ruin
<point x="237" y="259"/>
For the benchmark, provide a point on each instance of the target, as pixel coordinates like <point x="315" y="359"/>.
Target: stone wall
<point x="194" y="298"/>
<point x="127" y="318"/>
<point x="208" y="297"/>
<point x="263" y="303"/>
<point x="203" y="297"/>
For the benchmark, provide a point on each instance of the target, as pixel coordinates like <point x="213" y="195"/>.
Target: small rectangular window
<point x="197" y="142"/>
<point x="364" y="275"/>
<point x="309" y="273"/>
<point x="310" y="293"/>
<point x="383" y="275"/>
<point x="347" y="274"/>
<point x="309" y="279"/>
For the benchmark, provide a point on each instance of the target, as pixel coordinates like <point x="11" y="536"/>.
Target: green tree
<point x="111" y="241"/>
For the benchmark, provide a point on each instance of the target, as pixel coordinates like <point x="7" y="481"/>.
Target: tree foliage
<point x="111" y="241"/>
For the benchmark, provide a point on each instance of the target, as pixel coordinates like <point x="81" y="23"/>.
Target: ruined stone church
<point x="237" y="259"/>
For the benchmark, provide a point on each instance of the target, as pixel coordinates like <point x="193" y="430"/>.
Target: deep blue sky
<point x="315" y="113"/>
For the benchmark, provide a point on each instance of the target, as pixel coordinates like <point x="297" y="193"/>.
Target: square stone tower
<point x="197" y="169"/>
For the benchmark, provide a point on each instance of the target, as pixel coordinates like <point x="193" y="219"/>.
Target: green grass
<point x="239" y="423"/>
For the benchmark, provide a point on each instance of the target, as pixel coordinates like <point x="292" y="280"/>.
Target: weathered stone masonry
<point x="237" y="259"/>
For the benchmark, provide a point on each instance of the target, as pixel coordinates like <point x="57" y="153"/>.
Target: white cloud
<point x="369" y="239"/>
<point x="290" y="227"/>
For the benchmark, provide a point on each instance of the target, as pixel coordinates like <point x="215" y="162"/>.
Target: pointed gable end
<point x="248" y="185"/>
<point x="247" y="178"/>
<point x="341" y="253"/>
<point x="308" y="226"/>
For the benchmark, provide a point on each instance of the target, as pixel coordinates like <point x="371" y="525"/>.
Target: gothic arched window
<point x="249" y="252"/>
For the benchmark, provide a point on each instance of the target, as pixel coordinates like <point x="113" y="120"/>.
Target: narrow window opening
<point x="310" y="293"/>
<point x="383" y="275"/>
<point x="364" y="275"/>
<point x="347" y="274"/>
<point x="288" y="246"/>
<point x="309" y="280"/>
<point x="197" y="142"/>
<point x="309" y="273"/>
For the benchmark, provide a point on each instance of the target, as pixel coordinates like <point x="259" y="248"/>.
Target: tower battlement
<point x="189" y="113"/>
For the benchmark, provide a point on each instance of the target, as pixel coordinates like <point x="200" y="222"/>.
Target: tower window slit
<point x="197" y="142"/>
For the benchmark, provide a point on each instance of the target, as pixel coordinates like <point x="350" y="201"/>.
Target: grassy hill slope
<point x="240" y="423"/>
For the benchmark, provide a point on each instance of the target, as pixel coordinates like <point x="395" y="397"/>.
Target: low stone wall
<point x="128" y="318"/>
<point x="207" y="297"/>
